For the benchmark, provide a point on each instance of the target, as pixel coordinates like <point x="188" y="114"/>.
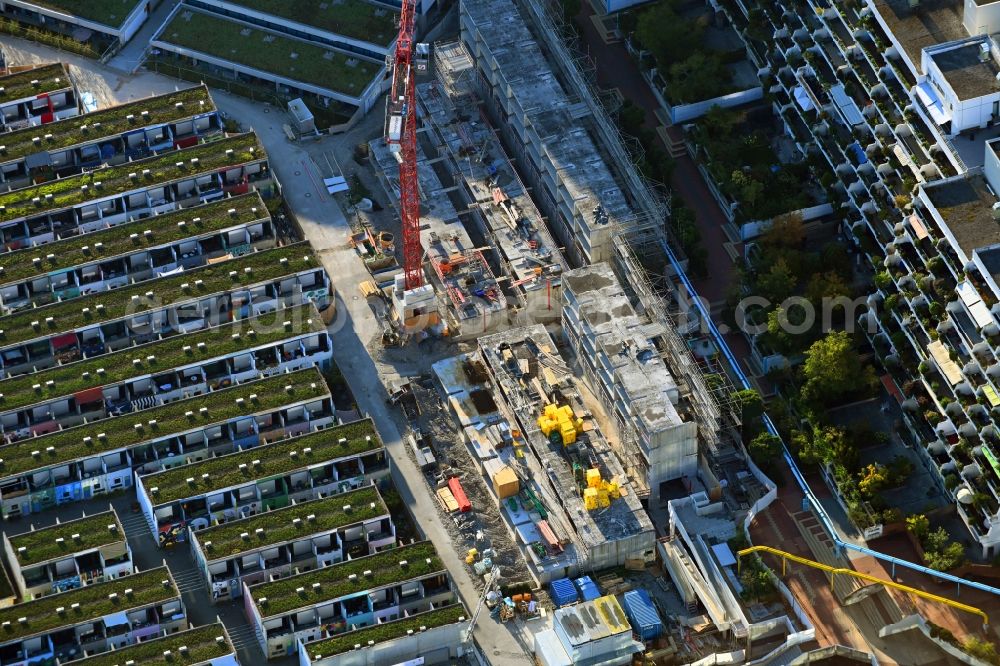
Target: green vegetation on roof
<point x="113" y="122"/>
<point x="201" y="644"/>
<point x="110" y="13"/>
<point x="19" y="265"/>
<point x="279" y="526"/>
<point x="92" y="531"/>
<point x="67" y="192"/>
<point x="6" y="589"/>
<point x="171" y="419"/>
<point x="69" y="315"/>
<point x="169" y="353"/>
<point x="42" y="615"/>
<point x="270" y="52"/>
<point x="276" y="459"/>
<point x="380" y="633"/>
<point x="358" y="19"/>
<point x="335" y="579"/>
<point x="18" y="86"/>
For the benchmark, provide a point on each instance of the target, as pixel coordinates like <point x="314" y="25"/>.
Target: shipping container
<point x="642" y="615"/>
<point x="563" y="592"/>
<point x="588" y="588"/>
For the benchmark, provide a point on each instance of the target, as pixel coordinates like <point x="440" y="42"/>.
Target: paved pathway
<point x="130" y="57"/>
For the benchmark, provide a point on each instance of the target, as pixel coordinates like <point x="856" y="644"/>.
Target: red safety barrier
<point x="456" y="489"/>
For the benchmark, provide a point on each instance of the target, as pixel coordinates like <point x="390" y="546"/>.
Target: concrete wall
<point x="981" y="19"/>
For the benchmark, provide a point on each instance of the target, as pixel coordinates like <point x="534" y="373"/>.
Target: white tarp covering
<point x="980" y="313"/>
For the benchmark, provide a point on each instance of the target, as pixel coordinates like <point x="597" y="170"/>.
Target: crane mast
<point x="401" y="137"/>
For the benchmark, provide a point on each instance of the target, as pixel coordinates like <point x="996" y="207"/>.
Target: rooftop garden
<point x="18" y="86"/>
<point x="77" y="536"/>
<point x="112" y="180"/>
<point x="280" y="525"/>
<point x="83" y="312"/>
<point x="98" y="438"/>
<point x="202" y="645"/>
<point x="283" y="596"/>
<point x="270" y="51"/>
<point x="106" y="123"/>
<point x="358" y="19"/>
<point x="56" y="611"/>
<point x="6" y="589"/>
<point x="272" y="460"/>
<point x="111" y="13"/>
<point x="20" y="265"/>
<point x="156" y="357"/>
<point x="381" y="633"/>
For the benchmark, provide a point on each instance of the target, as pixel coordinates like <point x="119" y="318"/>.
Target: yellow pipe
<point x="833" y="571"/>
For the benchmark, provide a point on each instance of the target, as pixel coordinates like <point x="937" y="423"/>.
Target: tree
<point x="918" y="525"/>
<point x="826" y="444"/>
<point x="698" y="77"/>
<point x="668" y="36"/>
<point x="980" y="649"/>
<point x="833" y="369"/>
<point x="826" y="285"/>
<point x="777" y="282"/>
<point x="571" y="8"/>
<point x="765" y="448"/>
<point x="874" y="478"/>
<point x="631" y="118"/>
<point x="746" y="188"/>
<point x="940" y="553"/>
<point x="785" y="231"/>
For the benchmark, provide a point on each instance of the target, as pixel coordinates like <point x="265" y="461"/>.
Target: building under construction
<point x="463" y="285"/>
<point x="517" y="401"/>
<point x="622" y="356"/>
<point x="497" y="201"/>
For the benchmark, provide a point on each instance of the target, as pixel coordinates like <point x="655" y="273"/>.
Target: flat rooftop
<point x="280" y="597"/>
<point x="77" y="536"/>
<point x="94" y="439"/>
<point x="388" y="631"/>
<point x="67" y="192"/>
<point x="316" y="516"/>
<point x="264" y="266"/>
<point x="625" y="338"/>
<point x="110" y="13"/>
<point x="156" y="357"/>
<point x="356" y="19"/>
<point x="108" y="122"/>
<point x="270" y="51"/>
<point x="931" y="22"/>
<point x="43" y="615"/>
<point x="966" y="206"/>
<point x="967" y="75"/>
<point x="274" y="459"/>
<point x="99" y="246"/>
<point x="18" y="86"/>
<point x="202" y="646"/>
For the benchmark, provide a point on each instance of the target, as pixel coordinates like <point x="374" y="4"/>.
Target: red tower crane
<point x="401" y="137"/>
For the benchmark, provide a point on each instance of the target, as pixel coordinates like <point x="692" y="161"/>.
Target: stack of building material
<point x="459" y="494"/>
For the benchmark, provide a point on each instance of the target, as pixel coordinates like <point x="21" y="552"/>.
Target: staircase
<point x="879" y="608"/>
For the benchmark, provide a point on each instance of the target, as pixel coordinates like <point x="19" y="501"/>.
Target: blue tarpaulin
<point x="588" y="588"/>
<point x="859" y="153"/>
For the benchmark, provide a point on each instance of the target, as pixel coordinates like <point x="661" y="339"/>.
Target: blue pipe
<point x="816" y="506"/>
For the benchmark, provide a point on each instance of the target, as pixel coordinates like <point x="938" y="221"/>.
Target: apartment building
<point x="133" y="252"/>
<point x="115" y="194"/>
<point x="36" y="97"/>
<point x="901" y="100"/>
<point x="300" y="537"/>
<point x="287" y="48"/>
<point x="622" y="356"/>
<point x="342" y="597"/>
<point x="109" y="136"/>
<point x="236" y="289"/>
<point x="102" y="24"/>
<point x="92" y="620"/>
<point x="208" y="645"/>
<point x="435" y="636"/>
<point x="330" y="460"/>
<point x="95" y="458"/>
<point x="68" y="555"/>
